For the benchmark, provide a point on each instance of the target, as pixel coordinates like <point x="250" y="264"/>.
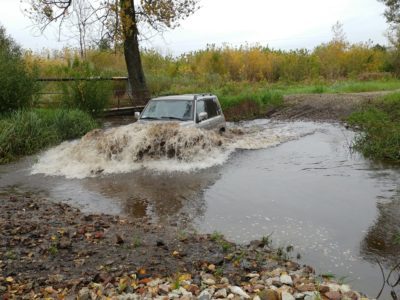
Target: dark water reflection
<point x="339" y="211"/>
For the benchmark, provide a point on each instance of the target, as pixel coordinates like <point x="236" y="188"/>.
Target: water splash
<point x="160" y="147"/>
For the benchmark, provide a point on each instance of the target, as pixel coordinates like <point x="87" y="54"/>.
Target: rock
<point x="186" y="297"/>
<point x="164" y="289"/>
<point x="194" y="289"/>
<point x="154" y="282"/>
<point x="344" y="288"/>
<point x="129" y="297"/>
<point x="257" y="298"/>
<point x="259" y="287"/>
<point x="312" y="296"/>
<point x="253" y="275"/>
<point x="286" y="279"/>
<point x="352" y="295"/>
<point x="333" y="295"/>
<point x="222" y="293"/>
<point x="208" y="279"/>
<point x="119" y="238"/>
<point x="173" y="295"/>
<point x="299" y="296"/>
<point x="238" y="291"/>
<point x="204" y="295"/>
<point x="224" y="280"/>
<point x="334" y="287"/>
<point x="306" y="287"/>
<point x="269" y="295"/>
<point x="84" y="294"/>
<point x="211" y="267"/>
<point x="323" y="289"/>
<point x="287" y="296"/>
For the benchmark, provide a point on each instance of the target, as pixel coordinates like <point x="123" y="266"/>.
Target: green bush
<point x="380" y="125"/>
<point x="26" y="132"/>
<point x="17" y="82"/>
<point x="91" y="96"/>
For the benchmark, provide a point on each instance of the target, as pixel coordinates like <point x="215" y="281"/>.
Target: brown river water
<point x="298" y="181"/>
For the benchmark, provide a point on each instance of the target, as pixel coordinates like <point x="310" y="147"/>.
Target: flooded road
<point x="305" y="187"/>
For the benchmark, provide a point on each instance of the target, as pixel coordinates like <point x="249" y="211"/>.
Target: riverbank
<point x="52" y="250"/>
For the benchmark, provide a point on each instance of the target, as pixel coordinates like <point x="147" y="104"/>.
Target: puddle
<point x="304" y="185"/>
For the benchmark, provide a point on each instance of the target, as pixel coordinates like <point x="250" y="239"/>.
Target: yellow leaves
<point x="185" y="277"/>
<point x="9" y="279"/>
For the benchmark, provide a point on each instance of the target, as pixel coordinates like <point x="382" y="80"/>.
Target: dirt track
<point x="323" y="107"/>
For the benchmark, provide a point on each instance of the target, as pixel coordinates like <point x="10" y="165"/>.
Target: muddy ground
<point x="323" y="107"/>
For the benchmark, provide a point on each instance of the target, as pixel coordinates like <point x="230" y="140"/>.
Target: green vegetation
<point x="17" y="81"/>
<point x="380" y="125"/>
<point x="26" y="132"/>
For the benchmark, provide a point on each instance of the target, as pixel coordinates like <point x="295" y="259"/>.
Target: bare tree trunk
<point x="140" y="92"/>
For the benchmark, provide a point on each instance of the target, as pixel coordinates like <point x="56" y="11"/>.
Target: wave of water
<point x="160" y="147"/>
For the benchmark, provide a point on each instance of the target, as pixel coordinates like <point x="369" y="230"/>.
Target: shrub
<point x="17" y="82"/>
<point x="380" y="136"/>
<point x="26" y="132"/>
<point x="91" y="96"/>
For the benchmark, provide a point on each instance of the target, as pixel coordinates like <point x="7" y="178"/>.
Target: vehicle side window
<point x="211" y="108"/>
<point x="200" y="106"/>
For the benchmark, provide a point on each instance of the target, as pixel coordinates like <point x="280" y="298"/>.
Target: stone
<point x="259" y="287"/>
<point x="238" y="291"/>
<point x="84" y="294"/>
<point x="208" y="279"/>
<point x="286" y="279"/>
<point x="253" y="275"/>
<point x="194" y="289"/>
<point x="333" y="295"/>
<point x="224" y="280"/>
<point x="345" y="288"/>
<point x="299" y="295"/>
<point x="323" y="289"/>
<point x="334" y="287"/>
<point x="204" y="295"/>
<point x="353" y="295"/>
<point x="211" y="267"/>
<point x="269" y="295"/>
<point x="257" y="298"/>
<point x="221" y="293"/>
<point x="164" y="289"/>
<point x="312" y="296"/>
<point x="306" y="287"/>
<point x="287" y="296"/>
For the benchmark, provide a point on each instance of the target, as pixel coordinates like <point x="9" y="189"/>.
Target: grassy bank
<point x="380" y="125"/>
<point x="28" y="131"/>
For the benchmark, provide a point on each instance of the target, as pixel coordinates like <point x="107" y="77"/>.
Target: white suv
<point x="192" y="110"/>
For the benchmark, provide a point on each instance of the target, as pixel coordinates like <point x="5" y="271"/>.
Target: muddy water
<point x="304" y="186"/>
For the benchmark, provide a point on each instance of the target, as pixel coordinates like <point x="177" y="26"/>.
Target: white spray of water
<point x="160" y="147"/>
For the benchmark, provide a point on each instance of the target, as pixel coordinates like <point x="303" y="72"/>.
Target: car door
<point x="211" y="107"/>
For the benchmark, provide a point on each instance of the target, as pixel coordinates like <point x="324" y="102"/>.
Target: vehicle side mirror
<point x="202" y="116"/>
<point x="137" y="115"/>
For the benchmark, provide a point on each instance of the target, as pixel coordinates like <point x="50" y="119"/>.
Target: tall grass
<point x="380" y="124"/>
<point x="27" y="131"/>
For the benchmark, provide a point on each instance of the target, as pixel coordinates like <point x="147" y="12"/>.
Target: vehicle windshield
<point x="169" y="109"/>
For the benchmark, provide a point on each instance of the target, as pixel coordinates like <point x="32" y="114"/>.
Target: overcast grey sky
<point x="280" y="24"/>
